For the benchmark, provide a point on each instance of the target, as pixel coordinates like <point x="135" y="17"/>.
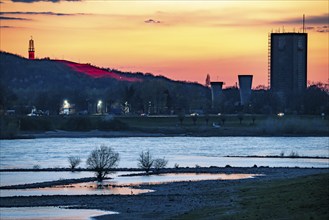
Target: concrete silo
<point x="216" y="94"/>
<point x="245" y="82"/>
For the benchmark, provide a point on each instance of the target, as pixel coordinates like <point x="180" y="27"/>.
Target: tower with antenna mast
<point x="287" y="64"/>
<point x="31" y="49"/>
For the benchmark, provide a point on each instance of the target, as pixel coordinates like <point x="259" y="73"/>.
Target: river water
<point x="184" y="151"/>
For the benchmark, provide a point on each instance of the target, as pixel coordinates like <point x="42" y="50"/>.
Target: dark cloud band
<point x="317" y="20"/>
<point x="39" y="13"/>
<point x="152" y="21"/>
<point x="14" y="18"/>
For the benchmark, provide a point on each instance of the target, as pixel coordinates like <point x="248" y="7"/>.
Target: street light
<point x="66" y="104"/>
<point x="99" y="106"/>
<point x="66" y="107"/>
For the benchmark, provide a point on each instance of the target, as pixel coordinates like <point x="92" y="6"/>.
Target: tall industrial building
<point x="288" y="64"/>
<point x="31" y="49"/>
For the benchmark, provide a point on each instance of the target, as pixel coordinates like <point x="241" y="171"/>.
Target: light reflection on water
<point x="50" y="213"/>
<point x="74" y="189"/>
<point x="175" y="177"/>
<point x="186" y="151"/>
<point x="16" y="178"/>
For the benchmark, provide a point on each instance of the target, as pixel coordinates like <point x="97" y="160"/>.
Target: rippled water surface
<point x="185" y="151"/>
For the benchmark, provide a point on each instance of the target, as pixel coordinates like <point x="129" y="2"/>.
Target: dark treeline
<point x="313" y="101"/>
<point x="44" y="84"/>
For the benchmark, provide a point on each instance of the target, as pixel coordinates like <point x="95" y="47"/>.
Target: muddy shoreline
<point x="222" y="132"/>
<point x="169" y="199"/>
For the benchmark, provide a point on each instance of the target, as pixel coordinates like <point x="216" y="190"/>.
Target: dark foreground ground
<point x="280" y="193"/>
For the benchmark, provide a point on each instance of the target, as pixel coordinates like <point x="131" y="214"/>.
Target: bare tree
<point x="145" y="161"/>
<point x="222" y="118"/>
<point x="194" y="119"/>
<point x="74" y="162"/>
<point x="160" y="163"/>
<point x="240" y="117"/>
<point x="101" y="160"/>
<point x="181" y="118"/>
<point x="207" y="81"/>
<point x="206" y="118"/>
<point x="253" y="118"/>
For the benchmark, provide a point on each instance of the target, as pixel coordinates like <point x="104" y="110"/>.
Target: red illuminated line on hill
<point x="96" y="72"/>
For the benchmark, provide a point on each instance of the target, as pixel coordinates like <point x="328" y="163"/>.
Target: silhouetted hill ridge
<point x="17" y="70"/>
<point x="41" y="81"/>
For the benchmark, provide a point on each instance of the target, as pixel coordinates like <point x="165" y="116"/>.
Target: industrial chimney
<point x="31" y="49"/>
<point x="216" y="94"/>
<point x="245" y="82"/>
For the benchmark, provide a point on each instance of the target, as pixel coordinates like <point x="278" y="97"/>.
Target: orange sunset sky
<point x="182" y="40"/>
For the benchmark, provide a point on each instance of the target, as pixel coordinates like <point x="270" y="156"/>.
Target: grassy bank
<point x="212" y="125"/>
<point x="299" y="198"/>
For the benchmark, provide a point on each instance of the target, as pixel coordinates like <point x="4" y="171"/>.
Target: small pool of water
<point x="50" y="213"/>
<point x="174" y="177"/>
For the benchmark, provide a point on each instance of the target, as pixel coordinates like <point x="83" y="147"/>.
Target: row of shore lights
<point x="66" y="104"/>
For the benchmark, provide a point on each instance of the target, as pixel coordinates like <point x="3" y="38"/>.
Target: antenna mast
<point x="303" y="23"/>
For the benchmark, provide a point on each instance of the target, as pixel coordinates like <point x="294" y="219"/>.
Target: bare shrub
<point x="282" y="154"/>
<point x="101" y="160"/>
<point x="194" y="119"/>
<point x="36" y="167"/>
<point x="160" y="163"/>
<point x="240" y="117"/>
<point x="145" y="161"/>
<point x="253" y="118"/>
<point x="223" y="119"/>
<point x="293" y="154"/>
<point x="74" y="162"/>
